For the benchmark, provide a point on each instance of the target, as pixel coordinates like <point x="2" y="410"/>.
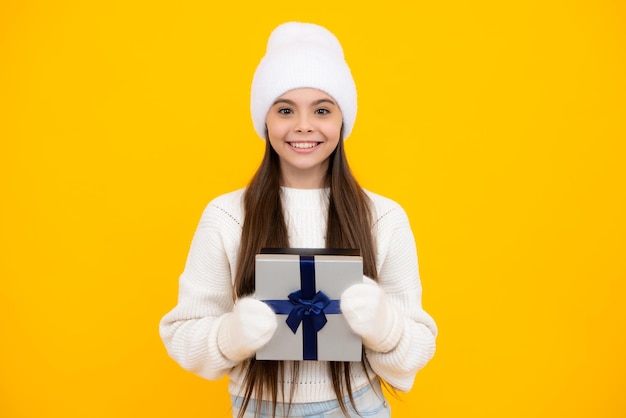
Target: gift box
<point x="303" y="287"/>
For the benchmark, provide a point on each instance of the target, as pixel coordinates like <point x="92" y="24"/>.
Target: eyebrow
<point x="292" y="103"/>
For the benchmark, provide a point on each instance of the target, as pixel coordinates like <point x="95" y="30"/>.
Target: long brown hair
<point x="349" y="226"/>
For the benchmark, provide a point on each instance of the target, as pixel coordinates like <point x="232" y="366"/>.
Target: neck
<point x="304" y="179"/>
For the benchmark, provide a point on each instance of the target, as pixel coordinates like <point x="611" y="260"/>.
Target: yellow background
<point x="499" y="126"/>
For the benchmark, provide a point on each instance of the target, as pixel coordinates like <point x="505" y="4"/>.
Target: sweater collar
<point x="305" y="198"/>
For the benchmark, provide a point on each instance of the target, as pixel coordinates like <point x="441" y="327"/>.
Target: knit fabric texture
<point x="190" y="331"/>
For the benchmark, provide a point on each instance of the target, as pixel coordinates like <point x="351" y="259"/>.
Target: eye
<point x="285" y="111"/>
<point x="322" y="111"/>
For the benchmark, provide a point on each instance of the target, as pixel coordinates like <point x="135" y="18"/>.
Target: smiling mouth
<point x="304" y="145"/>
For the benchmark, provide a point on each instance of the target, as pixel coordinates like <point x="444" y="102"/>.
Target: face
<point x="304" y="127"/>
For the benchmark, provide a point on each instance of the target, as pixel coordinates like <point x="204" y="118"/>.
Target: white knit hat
<point x="302" y="55"/>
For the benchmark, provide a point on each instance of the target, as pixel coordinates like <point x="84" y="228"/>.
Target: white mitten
<point x="247" y="328"/>
<point x="368" y="313"/>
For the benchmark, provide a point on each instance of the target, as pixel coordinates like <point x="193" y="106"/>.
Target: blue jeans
<point x="369" y="401"/>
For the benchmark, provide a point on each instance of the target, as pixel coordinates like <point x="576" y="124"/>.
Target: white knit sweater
<point x="190" y="330"/>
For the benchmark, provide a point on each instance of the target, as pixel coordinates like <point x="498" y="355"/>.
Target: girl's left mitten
<point x="371" y="316"/>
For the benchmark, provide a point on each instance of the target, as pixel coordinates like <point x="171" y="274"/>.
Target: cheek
<point x="276" y="123"/>
<point x="273" y="129"/>
<point x="334" y="132"/>
<point x="272" y="139"/>
<point x="338" y="125"/>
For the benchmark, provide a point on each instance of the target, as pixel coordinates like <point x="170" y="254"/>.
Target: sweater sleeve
<point x="190" y="330"/>
<point x="399" y="278"/>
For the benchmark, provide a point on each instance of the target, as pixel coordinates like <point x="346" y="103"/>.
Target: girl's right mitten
<point x="247" y="328"/>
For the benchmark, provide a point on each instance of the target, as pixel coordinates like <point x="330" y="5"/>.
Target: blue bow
<point x="313" y="308"/>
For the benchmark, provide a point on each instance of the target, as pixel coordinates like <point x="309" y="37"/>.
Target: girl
<point x="303" y="103"/>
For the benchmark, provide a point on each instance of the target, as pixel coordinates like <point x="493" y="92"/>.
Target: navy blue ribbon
<point x="306" y="306"/>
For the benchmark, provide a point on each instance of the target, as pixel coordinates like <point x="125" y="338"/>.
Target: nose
<point x="304" y="124"/>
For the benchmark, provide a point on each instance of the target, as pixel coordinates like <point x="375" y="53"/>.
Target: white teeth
<point x="303" y="145"/>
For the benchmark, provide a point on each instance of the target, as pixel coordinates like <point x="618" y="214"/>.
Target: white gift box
<point x="303" y="287"/>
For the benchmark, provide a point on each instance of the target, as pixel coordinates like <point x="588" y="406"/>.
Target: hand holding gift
<point x="368" y="313"/>
<point x="247" y="328"/>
